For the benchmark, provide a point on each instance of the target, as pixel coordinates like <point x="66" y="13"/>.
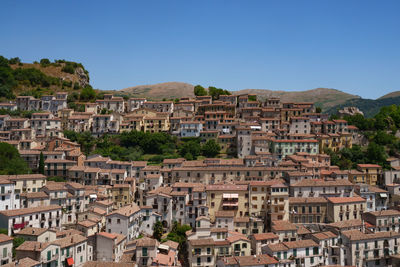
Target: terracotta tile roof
<point x="347" y="224"/>
<point x="126" y="211"/>
<point x="256" y="260"/>
<point x="324" y="235"/>
<point x="324" y="183"/>
<point x="147" y="242"/>
<point x="305" y="200"/>
<point x="283" y="226"/>
<point x="32" y="231"/>
<point x="70" y="241"/>
<point x="69" y="232"/>
<point x="384" y="213"/>
<point x="87" y="223"/>
<point x="225" y="214"/>
<point x="301" y="244"/>
<point x="5" y="238"/>
<point x="226" y="187"/>
<point x="243" y="219"/>
<point x="19" y="212"/>
<point x="218" y="230"/>
<point x="301" y="230"/>
<point x="341" y="200"/>
<point x="265" y="236"/>
<point x="107" y="264"/>
<point x="236" y="236"/>
<point x="32" y="246"/>
<point x="355" y="235"/>
<point x="171" y="244"/>
<point x="33" y="195"/>
<point x="24" y="262"/>
<point x="369" y="166"/>
<point x="376" y="189"/>
<point x="23" y="176"/>
<point x="277" y="247"/>
<point x="202" y="242"/>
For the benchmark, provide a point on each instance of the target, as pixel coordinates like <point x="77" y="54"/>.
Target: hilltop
<point x="160" y="91"/>
<point x="40" y="78"/>
<point x="390" y="95"/>
<point x="322" y="97"/>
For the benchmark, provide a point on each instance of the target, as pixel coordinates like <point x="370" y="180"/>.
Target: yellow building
<point x="357" y="177"/>
<point x="27" y="183"/>
<point x="227" y="197"/>
<point x="121" y="195"/>
<point x="278" y="202"/>
<point x="345" y="208"/>
<point x="334" y="141"/>
<point x="240" y="244"/>
<point x="156" y="124"/>
<point x="131" y="123"/>
<point x="258" y="196"/>
<point x="371" y="172"/>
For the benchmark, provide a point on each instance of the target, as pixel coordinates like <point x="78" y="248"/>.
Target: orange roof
<point x="339" y="200"/>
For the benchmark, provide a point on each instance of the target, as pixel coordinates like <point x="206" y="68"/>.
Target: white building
<point x="43" y="217"/>
<point x="110" y="246"/>
<point x="125" y="221"/>
<point x="190" y="128"/>
<point x="6" y="246"/>
<point x="9" y="199"/>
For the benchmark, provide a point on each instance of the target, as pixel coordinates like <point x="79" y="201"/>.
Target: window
<point x="307" y="252"/>
<point x="144" y="252"/>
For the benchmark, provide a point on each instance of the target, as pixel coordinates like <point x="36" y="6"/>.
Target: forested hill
<point x="370" y="107"/>
<point x="40" y="78"/>
<point x="381" y="131"/>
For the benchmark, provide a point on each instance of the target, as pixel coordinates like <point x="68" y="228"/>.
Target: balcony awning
<point x="230" y="195"/>
<point x="70" y="261"/>
<point x="384" y="195"/>
<point x="230" y="204"/>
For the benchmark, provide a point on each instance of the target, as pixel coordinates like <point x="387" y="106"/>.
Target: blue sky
<point x="352" y="45"/>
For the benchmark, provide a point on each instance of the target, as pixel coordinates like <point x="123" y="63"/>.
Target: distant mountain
<point x="390" y="95"/>
<point x="322" y="97"/>
<point x="370" y="107"/>
<point x="159" y="91"/>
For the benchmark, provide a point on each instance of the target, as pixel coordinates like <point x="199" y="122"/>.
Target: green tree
<point x="17" y="241"/>
<point x="10" y="160"/>
<point x="190" y="149"/>
<point x="376" y="154"/>
<point x="56" y="179"/>
<point x="14" y="60"/>
<point x="210" y="148"/>
<point x="158" y="230"/>
<point x="41" y="163"/>
<point x="252" y="98"/>
<point x="44" y="62"/>
<point x="199" y="91"/>
<point x="68" y="69"/>
<point x="87" y="94"/>
<point x="216" y="92"/>
<point x="318" y="109"/>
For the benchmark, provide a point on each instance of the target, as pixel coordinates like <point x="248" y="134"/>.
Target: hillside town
<point x="270" y="198"/>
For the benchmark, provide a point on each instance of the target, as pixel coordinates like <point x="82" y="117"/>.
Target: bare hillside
<point x="159" y="91"/>
<point x="323" y="97"/>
